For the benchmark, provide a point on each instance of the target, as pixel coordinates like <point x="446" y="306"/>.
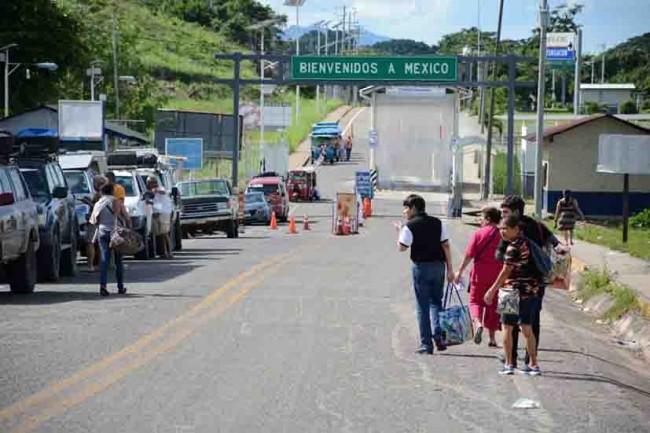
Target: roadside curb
<point x="631" y="331"/>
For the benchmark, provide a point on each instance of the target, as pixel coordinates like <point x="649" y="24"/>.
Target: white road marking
<point x="345" y="131"/>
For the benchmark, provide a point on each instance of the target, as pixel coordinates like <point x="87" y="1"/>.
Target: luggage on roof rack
<point x="148" y="160"/>
<point x="36" y="144"/>
<point x="122" y="159"/>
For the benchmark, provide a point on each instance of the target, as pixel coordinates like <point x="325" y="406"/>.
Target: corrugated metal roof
<point x="560" y="129"/>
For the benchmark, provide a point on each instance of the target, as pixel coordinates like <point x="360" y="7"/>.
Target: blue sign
<point x="190" y="148"/>
<point x="363" y="184"/>
<point x="560" y="53"/>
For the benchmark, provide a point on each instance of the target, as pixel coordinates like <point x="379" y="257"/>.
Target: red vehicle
<point x="275" y="192"/>
<point x="301" y="184"/>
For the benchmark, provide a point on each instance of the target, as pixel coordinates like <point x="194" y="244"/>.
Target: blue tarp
<point x="326" y="132"/>
<point x="37" y="132"/>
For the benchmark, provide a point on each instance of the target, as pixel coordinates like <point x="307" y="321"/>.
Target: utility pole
<point x="480" y="73"/>
<point x="6" y="74"/>
<point x="488" y="158"/>
<point x="602" y="70"/>
<point x="343" y="36"/>
<point x="578" y="75"/>
<point x="115" y="70"/>
<point x="539" y="149"/>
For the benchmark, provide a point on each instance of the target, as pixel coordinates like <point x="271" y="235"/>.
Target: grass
<point x="638" y="244"/>
<point x="625" y="300"/>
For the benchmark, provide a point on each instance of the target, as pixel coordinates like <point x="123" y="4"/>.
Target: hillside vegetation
<point x="170" y="57"/>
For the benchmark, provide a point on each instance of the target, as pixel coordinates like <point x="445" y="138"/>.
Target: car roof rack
<point x="132" y="158"/>
<point x="36" y="145"/>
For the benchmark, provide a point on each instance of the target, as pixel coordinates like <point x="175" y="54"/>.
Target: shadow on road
<point x="50" y="297"/>
<point x="586" y="377"/>
<point x="587" y="355"/>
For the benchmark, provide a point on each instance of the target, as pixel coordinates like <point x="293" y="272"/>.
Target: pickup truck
<point x="208" y="206"/>
<point x="19" y="239"/>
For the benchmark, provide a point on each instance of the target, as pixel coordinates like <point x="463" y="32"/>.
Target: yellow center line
<point x="60" y="406"/>
<point x="55" y="390"/>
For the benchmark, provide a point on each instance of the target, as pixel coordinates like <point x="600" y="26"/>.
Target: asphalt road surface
<point x="279" y="333"/>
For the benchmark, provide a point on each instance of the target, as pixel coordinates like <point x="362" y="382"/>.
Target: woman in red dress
<point x="486" y="268"/>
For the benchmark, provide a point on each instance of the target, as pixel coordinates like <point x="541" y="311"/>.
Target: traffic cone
<point x="292" y="226"/>
<point x="274" y="222"/>
<point x="367" y="207"/>
<point x="305" y="223"/>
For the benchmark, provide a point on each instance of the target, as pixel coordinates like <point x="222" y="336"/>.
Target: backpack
<point x="542" y="261"/>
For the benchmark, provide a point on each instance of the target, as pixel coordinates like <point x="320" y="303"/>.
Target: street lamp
<point x="297" y="4"/>
<point x="261" y="26"/>
<point x="8" y="70"/>
<point x="93" y="72"/>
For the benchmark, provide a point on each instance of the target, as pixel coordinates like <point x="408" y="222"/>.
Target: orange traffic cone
<point x="305" y="223"/>
<point x="274" y="222"/>
<point x="367" y="207"/>
<point x="292" y="226"/>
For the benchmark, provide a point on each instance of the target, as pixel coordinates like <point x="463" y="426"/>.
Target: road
<point x="279" y="333"/>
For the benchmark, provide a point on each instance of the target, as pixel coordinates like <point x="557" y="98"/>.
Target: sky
<point x="606" y="22"/>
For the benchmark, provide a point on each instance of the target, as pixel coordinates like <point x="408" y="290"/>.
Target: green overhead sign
<point x="432" y="69"/>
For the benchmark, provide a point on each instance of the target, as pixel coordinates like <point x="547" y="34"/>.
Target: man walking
<point x="537" y="232"/>
<point x="427" y="238"/>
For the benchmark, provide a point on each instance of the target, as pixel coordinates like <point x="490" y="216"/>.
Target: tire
<point x="231" y="229"/>
<point x="68" y="266"/>
<point x="178" y="238"/>
<point x="49" y="259"/>
<point x="23" y="272"/>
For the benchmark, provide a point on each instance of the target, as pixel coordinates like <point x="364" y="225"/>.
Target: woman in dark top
<point x="567" y="212"/>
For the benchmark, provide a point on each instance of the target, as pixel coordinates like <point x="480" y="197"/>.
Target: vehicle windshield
<point x="255" y="197"/>
<point x="36" y="183"/>
<point x="208" y="187"/>
<point x="299" y="176"/>
<point x="265" y="188"/>
<point x="77" y="182"/>
<point x="128" y="183"/>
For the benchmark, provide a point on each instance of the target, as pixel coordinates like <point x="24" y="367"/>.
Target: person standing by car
<point x="348" y="148"/>
<point x="106" y="214"/>
<point x="567" y="212"/>
<point x="519" y="274"/>
<point x="426" y="236"/>
<point x="482" y="247"/>
<point x="92" y="240"/>
<point x="119" y="191"/>
<point x="161" y="224"/>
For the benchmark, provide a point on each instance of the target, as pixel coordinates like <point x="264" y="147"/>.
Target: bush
<point x="641" y="220"/>
<point x="594" y="108"/>
<point x="501" y="171"/>
<point x="628" y="107"/>
<point x="646" y="105"/>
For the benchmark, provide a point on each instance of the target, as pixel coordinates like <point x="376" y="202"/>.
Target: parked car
<point x="276" y="194"/>
<point x="19" y="241"/>
<point x="36" y="154"/>
<point x="79" y="168"/>
<point x="208" y="206"/>
<point x="256" y="208"/>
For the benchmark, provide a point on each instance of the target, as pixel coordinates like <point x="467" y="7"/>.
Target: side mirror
<point x="175" y="192"/>
<point x="60" y="192"/>
<point x="7" y="198"/>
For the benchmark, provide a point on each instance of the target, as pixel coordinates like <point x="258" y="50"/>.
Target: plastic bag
<point x="162" y="204"/>
<point x="455" y="320"/>
<point x="508" y="302"/>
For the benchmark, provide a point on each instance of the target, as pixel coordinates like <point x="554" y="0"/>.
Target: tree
<point x="404" y="47"/>
<point x="43" y="32"/>
<point x="628" y="107"/>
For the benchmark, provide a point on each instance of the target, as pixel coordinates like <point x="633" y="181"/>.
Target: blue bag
<point x="542" y="261"/>
<point x="455" y="320"/>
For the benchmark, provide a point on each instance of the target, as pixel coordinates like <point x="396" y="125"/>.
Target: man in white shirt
<point x="426" y="237"/>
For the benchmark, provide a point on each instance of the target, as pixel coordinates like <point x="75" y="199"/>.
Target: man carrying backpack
<point x="537" y="232"/>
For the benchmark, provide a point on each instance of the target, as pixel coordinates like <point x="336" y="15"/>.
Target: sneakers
<point x="424" y="351"/>
<point x="531" y="371"/>
<point x="478" y="337"/>
<point x="508" y="370"/>
<point x="535" y="371"/>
